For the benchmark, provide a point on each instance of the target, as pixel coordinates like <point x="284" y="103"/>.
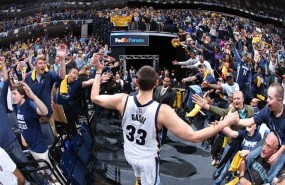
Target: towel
<point x="206" y="74"/>
<point x="236" y="162"/>
<point x="258" y="83"/>
<point x="225" y="142"/>
<point x="261" y="97"/>
<point x="63" y="85"/>
<point x="34" y="73"/>
<point x="235" y="167"/>
<point x="224" y="71"/>
<point x="193" y="113"/>
<point x="234" y="181"/>
<point x="221" y="95"/>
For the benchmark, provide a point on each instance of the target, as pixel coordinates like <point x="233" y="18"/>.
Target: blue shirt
<point x="6" y="133"/>
<point x="30" y="127"/>
<point x="42" y="88"/>
<point x="243" y="71"/>
<point x="259" y="89"/>
<point x="277" y="125"/>
<point x="249" y="142"/>
<point x="209" y="78"/>
<point x="66" y="100"/>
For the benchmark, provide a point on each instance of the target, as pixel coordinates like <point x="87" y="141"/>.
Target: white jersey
<point x="7" y="167"/>
<point x="139" y="124"/>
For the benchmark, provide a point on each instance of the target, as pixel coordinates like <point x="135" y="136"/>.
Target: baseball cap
<point x="229" y="75"/>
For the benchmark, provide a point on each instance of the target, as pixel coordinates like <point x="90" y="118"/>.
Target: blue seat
<point x="73" y="168"/>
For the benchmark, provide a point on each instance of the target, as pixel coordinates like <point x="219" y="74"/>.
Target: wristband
<point x="241" y="177"/>
<point x="98" y="73"/>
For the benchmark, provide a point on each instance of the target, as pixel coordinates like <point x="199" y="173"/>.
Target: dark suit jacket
<point x="128" y="79"/>
<point x="167" y="98"/>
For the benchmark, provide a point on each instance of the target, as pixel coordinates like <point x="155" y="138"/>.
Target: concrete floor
<point x="181" y="162"/>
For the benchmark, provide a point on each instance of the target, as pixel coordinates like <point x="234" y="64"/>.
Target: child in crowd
<point x="29" y="110"/>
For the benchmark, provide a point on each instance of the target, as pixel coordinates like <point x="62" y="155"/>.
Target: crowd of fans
<point x="234" y="63"/>
<point x="46" y="16"/>
<point x="33" y="4"/>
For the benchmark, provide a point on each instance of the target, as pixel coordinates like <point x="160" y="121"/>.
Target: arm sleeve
<point x="33" y="109"/>
<point x="54" y="77"/>
<point x="188" y="62"/>
<point x="241" y="134"/>
<point x="262" y="116"/>
<point x="218" y="111"/>
<point x="237" y="56"/>
<point x="4" y="93"/>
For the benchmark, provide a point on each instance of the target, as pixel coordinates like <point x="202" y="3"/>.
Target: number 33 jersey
<point x="139" y="124"/>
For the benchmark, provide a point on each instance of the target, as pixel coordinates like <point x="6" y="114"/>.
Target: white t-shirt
<point x="229" y="89"/>
<point x="7" y="167"/>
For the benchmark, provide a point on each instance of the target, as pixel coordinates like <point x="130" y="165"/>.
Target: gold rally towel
<point x="63" y="85"/>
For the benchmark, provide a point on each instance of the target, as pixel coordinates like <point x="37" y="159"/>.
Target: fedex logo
<point x="128" y="40"/>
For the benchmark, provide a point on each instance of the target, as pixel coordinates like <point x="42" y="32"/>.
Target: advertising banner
<point x="129" y="39"/>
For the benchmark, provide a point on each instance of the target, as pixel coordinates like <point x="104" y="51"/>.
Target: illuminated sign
<point x="125" y="39"/>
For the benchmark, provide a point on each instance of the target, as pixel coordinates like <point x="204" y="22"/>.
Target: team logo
<point x="140" y="110"/>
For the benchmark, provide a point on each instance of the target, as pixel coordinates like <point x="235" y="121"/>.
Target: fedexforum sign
<point x="129" y="39"/>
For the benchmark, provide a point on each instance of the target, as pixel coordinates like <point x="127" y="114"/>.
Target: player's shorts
<point x="146" y="169"/>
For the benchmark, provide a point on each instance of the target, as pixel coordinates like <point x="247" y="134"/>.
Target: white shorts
<point x="146" y="169"/>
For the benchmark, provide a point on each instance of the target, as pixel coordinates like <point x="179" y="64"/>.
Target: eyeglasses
<point x="166" y="81"/>
<point x="268" y="146"/>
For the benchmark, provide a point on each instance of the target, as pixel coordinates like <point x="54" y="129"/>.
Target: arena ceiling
<point x="21" y="1"/>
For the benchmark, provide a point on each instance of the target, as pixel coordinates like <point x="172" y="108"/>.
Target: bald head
<point x="270" y="146"/>
<point x="278" y="89"/>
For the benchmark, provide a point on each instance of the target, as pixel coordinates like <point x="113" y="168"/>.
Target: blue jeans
<point x="222" y="172"/>
<point x="15" y="152"/>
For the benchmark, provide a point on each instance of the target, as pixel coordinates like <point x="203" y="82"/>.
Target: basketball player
<point x="143" y="120"/>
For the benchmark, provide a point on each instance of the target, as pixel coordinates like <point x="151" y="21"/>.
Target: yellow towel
<point x="33" y="76"/>
<point x="261" y="97"/>
<point x="224" y="71"/>
<point x="235" y="162"/>
<point x="193" y="113"/>
<point x="63" y="85"/>
<point x="258" y="83"/>
<point x="206" y="74"/>
<point x="234" y="181"/>
<point x="235" y="167"/>
<point x="225" y="142"/>
<point x="221" y="95"/>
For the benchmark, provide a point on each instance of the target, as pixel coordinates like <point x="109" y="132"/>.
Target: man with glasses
<point x="255" y="170"/>
<point x="164" y="94"/>
<point x="273" y="115"/>
<point x="244" y="111"/>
